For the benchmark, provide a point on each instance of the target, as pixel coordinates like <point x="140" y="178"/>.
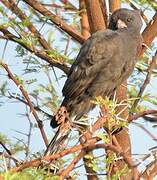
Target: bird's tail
<point x="60" y="119"/>
<point x="57" y="141"/>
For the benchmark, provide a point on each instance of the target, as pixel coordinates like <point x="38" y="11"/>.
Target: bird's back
<point x="104" y="62"/>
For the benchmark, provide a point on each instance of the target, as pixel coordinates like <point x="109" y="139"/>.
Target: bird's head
<point x="125" y="18"/>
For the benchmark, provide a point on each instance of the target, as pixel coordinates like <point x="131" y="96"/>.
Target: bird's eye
<point x="129" y="19"/>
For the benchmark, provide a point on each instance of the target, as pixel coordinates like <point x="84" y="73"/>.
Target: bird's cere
<point x="121" y="24"/>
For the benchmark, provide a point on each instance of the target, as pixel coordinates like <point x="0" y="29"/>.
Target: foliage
<point x="35" y="50"/>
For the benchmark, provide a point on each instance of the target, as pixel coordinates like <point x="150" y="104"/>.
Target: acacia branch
<point x="39" y="161"/>
<point x="85" y="29"/>
<point x="149" y="33"/>
<point x="25" y="94"/>
<point x="147" y="80"/>
<point x="113" y="5"/>
<point x="150" y="172"/>
<point x="69" y="168"/>
<point x="39" y="53"/>
<point x="141" y="114"/>
<point x="89" y="145"/>
<point x="86" y="140"/>
<point x="13" y="7"/>
<point x="60" y="23"/>
<point x="95" y="16"/>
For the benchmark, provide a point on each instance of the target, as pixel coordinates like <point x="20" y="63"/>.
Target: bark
<point x="150" y="33"/>
<point x="85" y="30"/>
<point x="95" y="16"/>
<point x="94" y="11"/>
<point x="60" y="23"/>
<point x="113" y="5"/>
<point x="122" y="137"/>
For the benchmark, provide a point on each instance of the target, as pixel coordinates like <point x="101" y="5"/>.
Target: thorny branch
<point x="70" y="167"/>
<point x="13" y="7"/>
<point x="150" y="171"/>
<point x="149" y="33"/>
<point x="141" y="114"/>
<point x="25" y="94"/>
<point x="39" y="53"/>
<point x="9" y="153"/>
<point x="56" y="20"/>
<point x="147" y="80"/>
<point x="91" y="144"/>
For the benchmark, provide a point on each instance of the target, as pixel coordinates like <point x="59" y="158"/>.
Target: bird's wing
<point x="93" y="56"/>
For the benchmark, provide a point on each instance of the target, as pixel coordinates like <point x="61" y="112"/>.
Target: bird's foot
<point x="61" y="115"/>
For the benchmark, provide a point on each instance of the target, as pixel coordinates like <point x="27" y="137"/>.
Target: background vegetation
<point x="39" y="42"/>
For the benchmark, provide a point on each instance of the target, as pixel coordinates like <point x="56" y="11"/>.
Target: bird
<point x="104" y="62"/>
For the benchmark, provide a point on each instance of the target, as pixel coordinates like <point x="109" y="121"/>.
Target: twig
<point x="149" y="33"/>
<point x="39" y="161"/>
<point x="39" y="53"/>
<point x="70" y="167"/>
<point x="150" y="172"/>
<point x="26" y="103"/>
<point x="146" y="130"/>
<point x="141" y="114"/>
<point x="7" y="150"/>
<point x="9" y="153"/>
<point x="29" y="134"/>
<point x="147" y="80"/>
<point x="25" y="94"/>
<point x="56" y="20"/>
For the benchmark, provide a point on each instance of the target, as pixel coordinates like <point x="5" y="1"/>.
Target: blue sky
<point x="10" y="112"/>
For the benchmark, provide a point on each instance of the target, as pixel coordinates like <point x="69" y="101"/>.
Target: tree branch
<point x="56" y="20"/>
<point x="95" y="16"/>
<point x="13" y="7"/>
<point x="39" y="53"/>
<point x="147" y="80"/>
<point x="141" y="114"/>
<point x="69" y="168"/>
<point x="150" y="172"/>
<point x="149" y="33"/>
<point x="84" y="20"/>
<point x="113" y="5"/>
<point x="25" y="94"/>
<point x="39" y="161"/>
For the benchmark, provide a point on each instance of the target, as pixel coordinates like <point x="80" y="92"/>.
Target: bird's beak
<point x="121" y="24"/>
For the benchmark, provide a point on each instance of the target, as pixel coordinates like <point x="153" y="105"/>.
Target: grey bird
<point x="104" y="62"/>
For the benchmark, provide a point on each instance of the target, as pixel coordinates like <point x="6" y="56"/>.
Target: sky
<point x="11" y="113"/>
